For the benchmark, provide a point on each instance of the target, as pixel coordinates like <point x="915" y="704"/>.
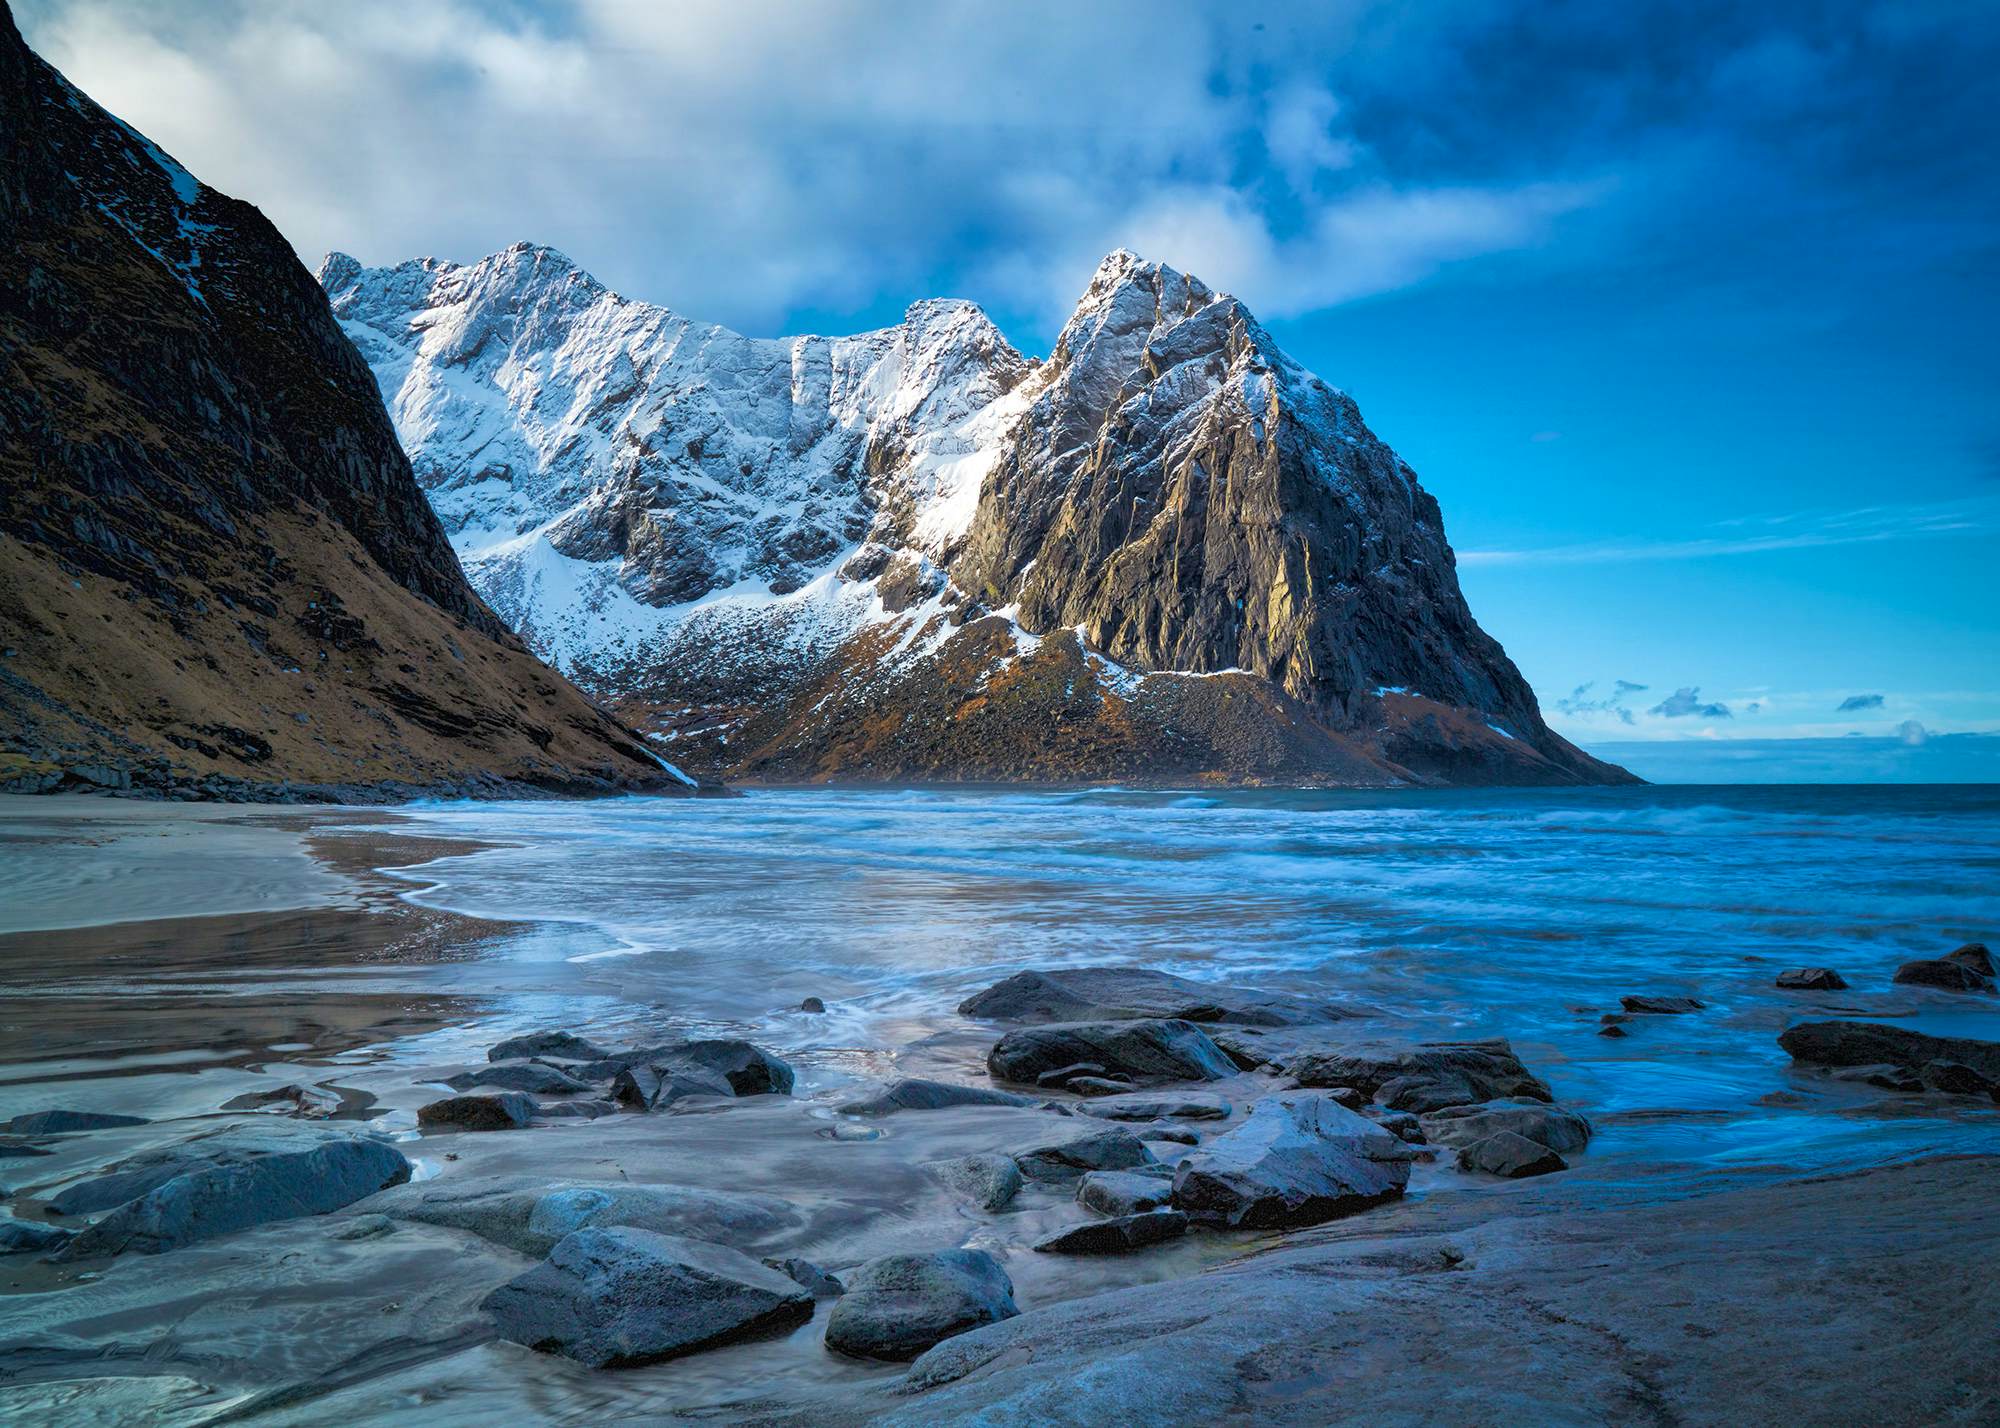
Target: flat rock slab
<point x="529" y="1216"/>
<point x="68" y="1122"/>
<point x="1148" y="1051"/>
<point x="1119" y="1235"/>
<point x="236" y="1180"/>
<point x="902" y="1304"/>
<point x="913" y="1094"/>
<point x="1811" y="979"/>
<point x="1297" y="1159"/>
<point x="1864" y="1043"/>
<point x="1421" y="1077"/>
<point x="1550" y="1126"/>
<point x="1135" y="993"/>
<point x="1072" y="1153"/>
<point x="619" y="1297"/>
<point x="1661" y="1006"/>
<point x="561" y="1045"/>
<point x="748" y="1070"/>
<point x="1180" y="1105"/>
<point x="1124" y="1192"/>
<point x="484" y="1111"/>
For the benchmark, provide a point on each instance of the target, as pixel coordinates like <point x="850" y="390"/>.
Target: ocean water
<point x="1523" y="914"/>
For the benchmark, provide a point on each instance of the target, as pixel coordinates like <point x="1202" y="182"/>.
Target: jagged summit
<point x="867" y="555"/>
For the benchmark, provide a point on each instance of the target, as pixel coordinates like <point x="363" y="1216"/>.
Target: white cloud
<point x="1755" y="535"/>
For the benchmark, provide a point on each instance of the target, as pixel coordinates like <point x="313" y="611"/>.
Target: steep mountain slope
<point x="1166" y="554"/>
<point x="217" y="575"/>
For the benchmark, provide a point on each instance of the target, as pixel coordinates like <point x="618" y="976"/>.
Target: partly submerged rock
<point x="486" y="1111"/>
<point x="1125" y="1192"/>
<point x="529" y="1076"/>
<point x="1060" y="1077"/>
<point x="31" y="1237"/>
<point x="234" y="1180"/>
<point x="1944" y="974"/>
<point x="748" y="1070"/>
<point x="1862" y="1043"/>
<point x="1811" y="979"/>
<point x="1135" y="993"/>
<point x="1117" y="1235"/>
<point x="306" y="1102"/>
<point x="809" y="1277"/>
<point x="1662" y="1006"/>
<point x="528" y="1215"/>
<point x="1957" y="1079"/>
<point x="1297" y="1159"/>
<point x="1549" y="1126"/>
<point x="562" y="1045"/>
<point x="1072" y="1153"/>
<point x="1147" y="1051"/>
<point x="812" y="1004"/>
<point x="1974" y="955"/>
<point x="60" y="1122"/>
<point x="1510" y="1156"/>
<point x="618" y="1297"/>
<point x="1427" y="1076"/>
<point x="1177" y="1105"/>
<point x="900" y="1305"/>
<point x="989" y="1181"/>
<point x="913" y="1094"/>
<point x="646" y="1087"/>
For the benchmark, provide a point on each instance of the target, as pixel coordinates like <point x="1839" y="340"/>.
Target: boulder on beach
<point x="1427" y="1076"/>
<point x="900" y="1305"/>
<point x="1510" y="1156"/>
<point x="1869" y="1044"/>
<point x="561" y="1045"/>
<point x="232" y="1180"/>
<point x="1146" y="1051"/>
<point x="647" y="1087"/>
<point x="748" y="1070"/>
<point x="1299" y="1158"/>
<point x="530" y="1076"/>
<point x="1160" y="1106"/>
<point x="1125" y="1192"/>
<point x="1135" y="993"/>
<point x="529" y="1215"/>
<point x="32" y="1237"/>
<point x="809" y="1277"/>
<point x="306" y="1102"/>
<point x="1955" y="1078"/>
<point x="1546" y="1125"/>
<point x="1974" y="955"/>
<point x="1117" y="1235"/>
<point x="1944" y="974"/>
<point x="1811" y="979"/>
<point x="485" y="1111"/>
<point x="619" y="1297"/>
<point x="1662" y="1006"/>
<point x="67" y="1122"/>
<point x="914" y="1094"/>
<point x="1071" y="1153"/>
<point x="990" y="1181"/>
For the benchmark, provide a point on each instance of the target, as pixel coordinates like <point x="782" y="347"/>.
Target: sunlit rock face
<point x="1166" y="554"/>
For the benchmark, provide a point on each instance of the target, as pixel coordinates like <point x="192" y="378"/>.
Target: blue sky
<point x="1685" y="312"/>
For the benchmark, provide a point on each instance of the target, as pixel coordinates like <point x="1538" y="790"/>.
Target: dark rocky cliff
<point x="217" y="573"/>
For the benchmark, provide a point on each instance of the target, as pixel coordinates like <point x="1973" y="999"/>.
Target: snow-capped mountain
<point x="1167" y="552"/>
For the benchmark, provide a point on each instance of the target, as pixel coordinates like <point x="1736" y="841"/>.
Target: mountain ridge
<point x="812" y="558"/>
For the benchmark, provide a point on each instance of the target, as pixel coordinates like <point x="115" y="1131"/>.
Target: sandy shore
<point x="1619" y="1291"/>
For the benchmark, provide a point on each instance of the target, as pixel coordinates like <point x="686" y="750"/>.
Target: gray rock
<point x="1945" y="975"/>
<point x="1402" y="1125"/>
<point x="1549" y="1126"/>
<point x="590" y="1109"/>
<point x="1661" y="1006"/>
<point x="1124" y="1192"/>
<point x="989" y="1181"/>
<point x="1096" y="1086"/>
<point x="486" y="1111"/>
<point x="28" y="1237"/>
<point x="1069" y="1155"/>
<point x="1147" y="1051"/>
<point x="236" y="1179"/>
<point x="1063" y="1075"/>
<point x="619" y="1297"/>
<point x="646" y="1087"/>
<point x="1510" y="1156"/>
<point x="562" y="1045"/>
<point x="22" y="1150"/>
<point x="366" y="1227"/>
<point x="900" y="1305"/>
<point x="67" y="1122"/>
<point x="1862" y="1043"/>
<point x="812" y="1004"/>
<point x="809" y="1277"/>
<point x="1957" y="1079"/>
<point x="1427" y="1076"/>
<point x="1811" y="979"/>
<point x="748" y="1070"/>
<point x="1135" y="993"/>
<point x="911" y="1094"/>
<point x="1171" y="1135"/>
<point x="1884" y="1075"/>
<point x="1297" y="1159"/>
<point x="307" y="1102"/>
<point x="1118" y="1235"/>
<point x="528" y="1076"/>
<point x="1973" y="955"/>
<point x="528" y="1215"/>
<point x="1179" y="1105"/>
